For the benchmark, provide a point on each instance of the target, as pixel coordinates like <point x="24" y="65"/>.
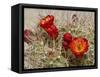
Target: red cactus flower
<point x="43" y="23"/>
<point x="55" y="31"/>
<point x="47" y="21"/>
<point x="65" y="45"/>
<point x="52" y="32"/>
<point x="67" y="37"/>
<point x="27" y="34"/>
<point x="79" y="46"/>
<point x="48" y="25"/>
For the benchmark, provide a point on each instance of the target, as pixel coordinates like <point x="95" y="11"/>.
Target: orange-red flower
<point x="79" y="46"/>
